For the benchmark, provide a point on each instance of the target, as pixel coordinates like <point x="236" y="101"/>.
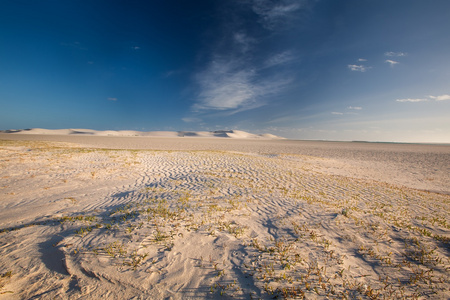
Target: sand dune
<point x="236" y="134"/>
<point x="248" y="219"/>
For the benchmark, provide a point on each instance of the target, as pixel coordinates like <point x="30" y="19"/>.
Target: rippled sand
<point x="177" y="218"/>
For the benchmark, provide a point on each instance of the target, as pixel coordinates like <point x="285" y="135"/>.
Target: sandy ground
<point x="203" y="218"/>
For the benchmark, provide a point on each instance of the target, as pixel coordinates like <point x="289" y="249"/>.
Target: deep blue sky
<point x="375" y="70"/>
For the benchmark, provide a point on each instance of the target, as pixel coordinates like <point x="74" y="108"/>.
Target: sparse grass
<point x="73" y="219"/>
<point x="83" y="230"/>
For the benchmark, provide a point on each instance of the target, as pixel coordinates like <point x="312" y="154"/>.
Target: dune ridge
<point x="235" y="134"/>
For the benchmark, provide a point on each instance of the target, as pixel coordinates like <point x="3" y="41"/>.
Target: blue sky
<point x="305" y="69"/>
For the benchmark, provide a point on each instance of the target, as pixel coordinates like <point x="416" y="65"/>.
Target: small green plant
<point x="4" y="278"/>
<point x="136" y="260"/>
<point x="83" y="230"/>
<point x="115" y="249"/>
<point x="159" y="235"/>
<point x="345" y="212"/>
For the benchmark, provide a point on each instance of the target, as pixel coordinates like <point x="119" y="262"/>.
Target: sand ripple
<point x="92" y="223"/>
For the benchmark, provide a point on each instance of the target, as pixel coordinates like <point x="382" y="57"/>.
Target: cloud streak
<point x="443" y="97"/>
<point x="358" y="68"/>
<point x="395" y="54"/>
<point x="280" y="59"/>
<point x="440" y="98"/>
<point x="191" y="120"/>
<point x="412" y="100"/>
<point x="391" y="62"/>
<point x="351" y="112"/>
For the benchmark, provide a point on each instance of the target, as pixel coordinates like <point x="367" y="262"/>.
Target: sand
<point x="160" y="217"/>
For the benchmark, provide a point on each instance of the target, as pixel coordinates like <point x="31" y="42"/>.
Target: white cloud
<point x="112" y="99"/>
<point x="336" y="113"/>
<point x="228" y="85"/>
<point x="412" y="100"/>
<point x="362" y="59"/>
<point x="355" y="107"/>
<point x="358" y="68"/>
<point x="225" y="87"/>
<point x="397" y="54"/>
<point x="440" y="98"/>
<point x="391" y="62"/>
<point x="235" y="78"/>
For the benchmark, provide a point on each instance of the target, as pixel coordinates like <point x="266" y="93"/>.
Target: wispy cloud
<point x="229" y="86"/>
<point x="428" y="98"/>
<point x="280" y="59"/>
<point x="362" y="59"/>
<point x="358" y="68"/>
<point x="224" y="86"/>
<point x="235" y="77"/>
<point x="412" y="100"/>
<point x="391" y="62"/>
<point x="112" y="99"/>
<point x="243" y="42"/>
<point x="273" y="13"/>
<point x="440" y="98"/>
<point x="350" y="111"/>
<point x="191" y="120"/>
<point x="172" y="73"/>
<point x="75" y="45"/>
<point x="395" y="54"/>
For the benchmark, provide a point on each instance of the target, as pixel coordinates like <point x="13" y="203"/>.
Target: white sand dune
<point x="237" y="218"/>
<point x="236" y="134"/>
